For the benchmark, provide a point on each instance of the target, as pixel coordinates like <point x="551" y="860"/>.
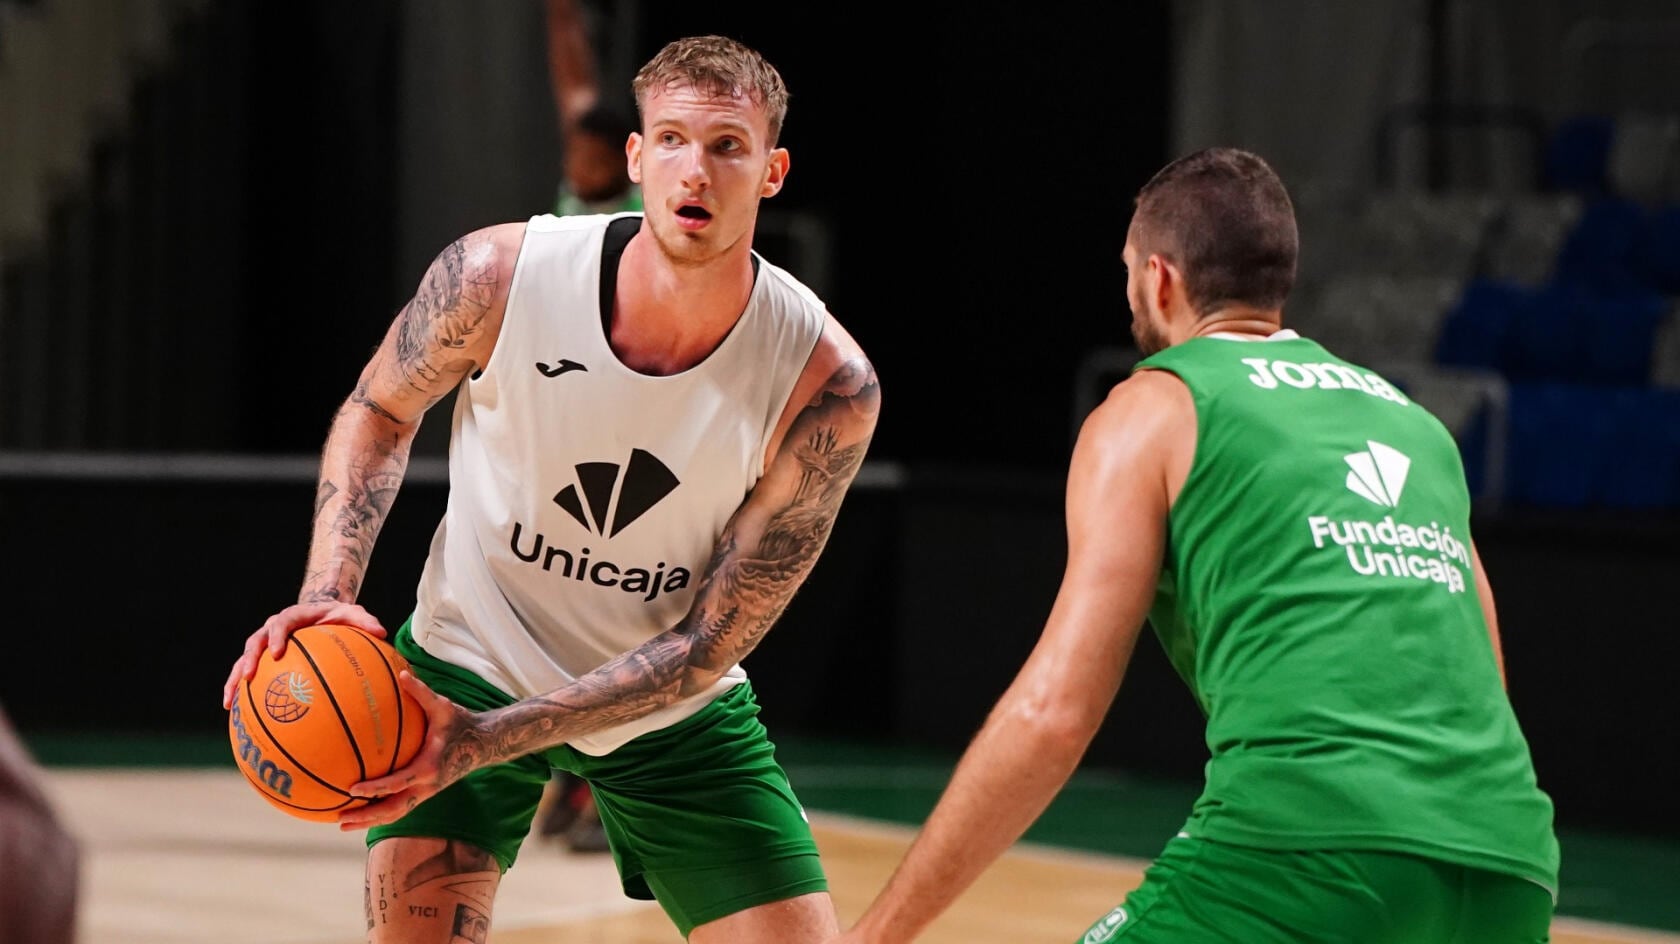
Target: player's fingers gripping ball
<point x="325" y="715"/>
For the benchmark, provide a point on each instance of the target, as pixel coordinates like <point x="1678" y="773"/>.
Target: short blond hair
<point x="718" y="67"/>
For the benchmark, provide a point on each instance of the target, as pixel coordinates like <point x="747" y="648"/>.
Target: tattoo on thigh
<point x="471" y="925"/>
<point x="456" y="858"/>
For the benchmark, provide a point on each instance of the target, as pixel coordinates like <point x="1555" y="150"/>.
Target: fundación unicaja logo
<point x="1420" y="546"/>
<point x="1378" y="474"/>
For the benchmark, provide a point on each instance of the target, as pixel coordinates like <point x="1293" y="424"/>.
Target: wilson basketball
<point x="324" y="716"/>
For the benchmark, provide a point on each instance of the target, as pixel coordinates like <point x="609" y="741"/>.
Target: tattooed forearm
<point x="761" y="559"/>
<point x="630" y="686"/>
<point x="323" y="494"/>
<point x="356" y="492"/>
<point x="359" y="397"/>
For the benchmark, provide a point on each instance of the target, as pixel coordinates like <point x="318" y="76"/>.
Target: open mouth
<point x="694" y="213"/>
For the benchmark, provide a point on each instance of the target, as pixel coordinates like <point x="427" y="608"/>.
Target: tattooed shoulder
<point x="853" y="381"/>
<point x="442" y="324"/>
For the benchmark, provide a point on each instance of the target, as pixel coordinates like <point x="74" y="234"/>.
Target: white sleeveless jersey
<point x="585" y="499"/>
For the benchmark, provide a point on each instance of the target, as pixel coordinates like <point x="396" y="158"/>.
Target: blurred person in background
<point x="594" y="178"/>
<point x="654" y="430"/>
<point x="40" y="861"/>
<point x="1297" y="532"/>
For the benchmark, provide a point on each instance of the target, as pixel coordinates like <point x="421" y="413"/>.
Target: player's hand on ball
<point x="452" y="749"/>
<point x="274" y="632"/>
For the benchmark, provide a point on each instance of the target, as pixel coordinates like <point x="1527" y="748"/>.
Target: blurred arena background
<point x="211" y="209"/>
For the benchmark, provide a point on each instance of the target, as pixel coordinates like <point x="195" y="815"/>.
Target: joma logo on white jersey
<point x="1388" y="548"/>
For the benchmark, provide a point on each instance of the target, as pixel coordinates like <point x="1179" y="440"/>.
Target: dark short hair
<point x="607" y="123"/>
<point x="1224" y="217"/>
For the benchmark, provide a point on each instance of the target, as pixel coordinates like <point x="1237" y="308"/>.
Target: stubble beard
<point x="1148" y="339"/>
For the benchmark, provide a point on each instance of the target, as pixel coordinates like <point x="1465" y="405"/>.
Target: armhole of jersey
<point x="507" y="307"/>
<point x="787" y="398"/>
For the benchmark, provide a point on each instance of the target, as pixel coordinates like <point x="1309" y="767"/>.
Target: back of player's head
<point x="719" y="67"/>
<point x="1223" y="216"/>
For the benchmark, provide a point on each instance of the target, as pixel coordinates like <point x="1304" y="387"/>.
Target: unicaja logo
<point x="1379" y="474"/>
<point x="606" y="499"/>
<point x="644" y="481"/>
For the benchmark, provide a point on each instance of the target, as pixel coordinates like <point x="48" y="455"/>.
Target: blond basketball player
<point x="653" y="433"/>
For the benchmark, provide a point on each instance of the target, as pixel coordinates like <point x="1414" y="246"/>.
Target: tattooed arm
<point x="445" y="331"/>
<point x="760" y="560"/>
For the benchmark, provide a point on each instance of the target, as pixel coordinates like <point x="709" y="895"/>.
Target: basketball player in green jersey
<point x="1296" y="530"/>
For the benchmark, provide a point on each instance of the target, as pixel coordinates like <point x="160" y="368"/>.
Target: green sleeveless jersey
<point x="1317" y="596"/>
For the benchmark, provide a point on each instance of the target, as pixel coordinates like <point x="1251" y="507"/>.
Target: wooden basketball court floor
<point x="193" y="856"/>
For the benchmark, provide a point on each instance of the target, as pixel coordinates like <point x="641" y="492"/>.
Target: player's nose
<point x="696" y="177"/>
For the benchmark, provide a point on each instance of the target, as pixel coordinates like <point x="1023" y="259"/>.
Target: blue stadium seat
<point x="1582" y="447"/>
<point x="1657" y="256"/>
<point x="1476" y="331"/>
<point x="1570" y="333"/>
<point x="1577" y="155"/>
<point x="1602" y="250"/>
<point x="1552" y="449"/>
<point x="1564" y="332"/>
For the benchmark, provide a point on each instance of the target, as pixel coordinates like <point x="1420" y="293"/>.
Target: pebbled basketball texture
<point x="324" y="716"/>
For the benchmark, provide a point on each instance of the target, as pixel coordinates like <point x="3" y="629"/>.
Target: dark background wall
<point x="975" y="170"/>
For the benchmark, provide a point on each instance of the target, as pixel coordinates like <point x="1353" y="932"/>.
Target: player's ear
<point x="633" y="156"/>
<point x="775" y="174"/>
<point x="1168" y="281"/>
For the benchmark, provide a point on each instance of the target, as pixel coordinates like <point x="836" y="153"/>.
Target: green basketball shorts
<point x="699" y="815"/>
<point x="1203" y="892"/>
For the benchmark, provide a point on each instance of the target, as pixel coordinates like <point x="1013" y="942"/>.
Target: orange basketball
<point x="324" y="716"/>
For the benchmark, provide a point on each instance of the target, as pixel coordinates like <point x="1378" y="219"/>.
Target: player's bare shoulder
<point x="837" y="391"/>
<point x="839" y="368"/>
<point x="447" y="329"/>
<point x="452" y="321"/>
<point x="1146" y="424"/>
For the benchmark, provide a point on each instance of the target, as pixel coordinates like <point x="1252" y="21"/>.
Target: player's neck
<point x="667" y="317"/>
<point x="1238" y="322"/>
